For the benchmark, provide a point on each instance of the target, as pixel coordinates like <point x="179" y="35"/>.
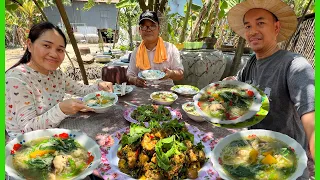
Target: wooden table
<point x="113" y="120"/>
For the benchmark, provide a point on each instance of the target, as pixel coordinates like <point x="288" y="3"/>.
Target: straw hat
<point x="284" y="13"/>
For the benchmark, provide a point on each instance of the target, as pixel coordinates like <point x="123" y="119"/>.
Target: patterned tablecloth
<point x="107" y="123"/>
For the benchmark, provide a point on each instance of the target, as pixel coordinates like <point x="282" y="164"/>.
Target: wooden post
<point x="116" y="32"/>
<point x="237" y="57"/>
<point x="72" y="39"/>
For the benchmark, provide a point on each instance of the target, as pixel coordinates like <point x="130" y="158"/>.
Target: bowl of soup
<point x="191" y="112"/>
<point x="164" y="97"/>
<point x="100" y="101"/>
<point x="52" y="154"/>
<point x="259" y="154"/>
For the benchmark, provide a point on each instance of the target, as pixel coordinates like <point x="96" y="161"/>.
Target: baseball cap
<point x="150" y="15"/>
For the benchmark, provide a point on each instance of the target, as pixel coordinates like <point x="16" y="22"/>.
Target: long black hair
<point x="35" y="32"/>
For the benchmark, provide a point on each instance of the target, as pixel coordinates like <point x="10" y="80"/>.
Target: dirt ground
<point x="13" y="55"/>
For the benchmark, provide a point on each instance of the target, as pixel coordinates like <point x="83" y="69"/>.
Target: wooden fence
<point x="303" y="41"/>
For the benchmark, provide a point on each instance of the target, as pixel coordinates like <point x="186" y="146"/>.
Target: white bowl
<point x="253" y="109"/>
<point x="89" y="144"/>
<point x="192" y="116"/>
<point x="167" y="103"/>
<point x="102" y="93"/>
<point x="102" y="58"/>
<point x="299" y="151"/>
<point x="151" y="75"/>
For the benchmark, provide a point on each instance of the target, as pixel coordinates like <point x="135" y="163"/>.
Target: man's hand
<point x="168" y="72"/>
<point x="172" y="74"/>
<point x="137" y="81"/>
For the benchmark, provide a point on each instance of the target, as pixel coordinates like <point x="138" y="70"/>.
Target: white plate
<point x="299" y="151"/>
<point x="186" y="90"/>
<point x="151" y="75"/>
<point x="117" y="89"/>
<point x="253" y="109"/>
<point x="83" y="139"/>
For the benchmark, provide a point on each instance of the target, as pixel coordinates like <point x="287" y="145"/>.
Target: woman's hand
<point x="72" y="106"/>
<point x="105" y="86"/>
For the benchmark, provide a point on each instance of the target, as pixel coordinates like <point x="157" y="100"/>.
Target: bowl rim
<point x="165" y="92"/>
<point x="102" y="92"/>
<point x="301" y="155"/>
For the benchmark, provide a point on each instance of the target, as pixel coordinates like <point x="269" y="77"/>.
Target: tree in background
<point x="129" y="12"/>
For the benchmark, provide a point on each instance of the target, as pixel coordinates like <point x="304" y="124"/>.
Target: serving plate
<point x="117" y="89"/>
<point x="127" y="115"/>
<point x="186" y="90"/>
<point x="109" y="160"/>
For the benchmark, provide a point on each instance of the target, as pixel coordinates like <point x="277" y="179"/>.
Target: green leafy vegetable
<point x="136" y="132"/>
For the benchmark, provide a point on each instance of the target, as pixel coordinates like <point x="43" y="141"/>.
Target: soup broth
<point x="258" y="158"/>
<point x="51" y="158"/>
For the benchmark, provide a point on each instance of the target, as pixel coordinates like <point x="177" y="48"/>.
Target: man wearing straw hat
<point x="286" y="77"/>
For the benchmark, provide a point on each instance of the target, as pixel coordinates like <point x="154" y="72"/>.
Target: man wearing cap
<point x="154" y="53"/>
<point x="286" y="77"/>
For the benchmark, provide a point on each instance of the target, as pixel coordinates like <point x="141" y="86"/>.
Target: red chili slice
<point x="250" y="93"/>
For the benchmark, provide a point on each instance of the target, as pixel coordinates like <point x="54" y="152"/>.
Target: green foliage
<point x="88" y="5"/>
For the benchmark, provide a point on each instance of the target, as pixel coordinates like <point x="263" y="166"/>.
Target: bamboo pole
<point x="72" y="39"/>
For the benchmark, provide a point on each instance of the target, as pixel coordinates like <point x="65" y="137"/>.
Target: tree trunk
<point x="156" y="6"/>
<point x="162" y="7"/>
<point x="185" y="23"/>
<point x="237" y="57"/>
<point x="150" y="4"/>
<point x="198" y="21"/>
<point x="142" y="5"/>
<point x="72" y="39"/>
<point x="116" y="32"/>
<point x="130" y="29"/>
<point x="214" y="10"/>
<point x="163" y="26"/>
<point x="44" y="17"/>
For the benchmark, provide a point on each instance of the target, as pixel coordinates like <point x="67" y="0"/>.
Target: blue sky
<point x="179" y="8"/>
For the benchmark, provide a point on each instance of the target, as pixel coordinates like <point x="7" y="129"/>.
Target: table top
<point x="113" y="120"/>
